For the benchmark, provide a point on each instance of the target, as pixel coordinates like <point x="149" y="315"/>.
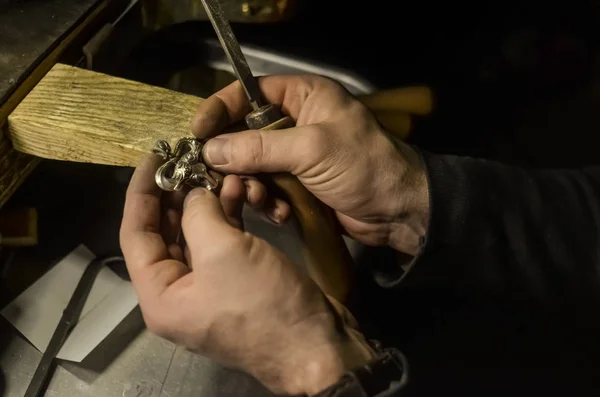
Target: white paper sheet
<point x="37" y="311"/>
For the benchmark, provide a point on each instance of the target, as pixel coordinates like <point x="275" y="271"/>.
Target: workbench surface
<point x="29" y="29"/>
<point x="148" y="367"/>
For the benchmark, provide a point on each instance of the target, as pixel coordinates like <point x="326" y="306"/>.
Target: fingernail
<point x="193" y="195"/>
<point x="216" y="151"/>
<point x="275" y="215"/>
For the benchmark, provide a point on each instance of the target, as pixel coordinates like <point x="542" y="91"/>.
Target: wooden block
<point x="416" y="100"/>
<point x="78" y="115"/>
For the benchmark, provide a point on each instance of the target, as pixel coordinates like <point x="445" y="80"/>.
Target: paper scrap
<point x="37" y="311"/>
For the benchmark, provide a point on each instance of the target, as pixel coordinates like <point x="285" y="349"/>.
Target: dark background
<point x="515" y="82"/>
<point x="497" y="67"/>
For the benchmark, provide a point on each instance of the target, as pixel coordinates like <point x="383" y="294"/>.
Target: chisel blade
<point x="233" y="51"/>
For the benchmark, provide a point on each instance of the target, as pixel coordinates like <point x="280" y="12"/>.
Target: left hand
<point x="228" y="294"/>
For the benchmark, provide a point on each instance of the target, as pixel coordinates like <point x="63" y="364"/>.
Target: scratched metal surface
<point x="28" y="30"/>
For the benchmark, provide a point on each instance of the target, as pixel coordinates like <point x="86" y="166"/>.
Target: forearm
<point x="505" y="228"/>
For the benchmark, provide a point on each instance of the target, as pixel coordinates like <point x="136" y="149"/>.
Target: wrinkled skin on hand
<point x="227" y="294"/>
<point x="377" y="187"/>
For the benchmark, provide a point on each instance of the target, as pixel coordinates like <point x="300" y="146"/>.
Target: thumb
<point x="256" y="151"/>
<point x="204" y="220"/>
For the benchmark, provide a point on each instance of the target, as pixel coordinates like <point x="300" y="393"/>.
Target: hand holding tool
<point x="329" y="262"/>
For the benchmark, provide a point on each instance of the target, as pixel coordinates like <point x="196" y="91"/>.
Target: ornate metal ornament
<point x="183" y="166"/>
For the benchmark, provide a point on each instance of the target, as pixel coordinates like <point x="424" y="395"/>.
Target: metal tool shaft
<point x="234" y="53"/>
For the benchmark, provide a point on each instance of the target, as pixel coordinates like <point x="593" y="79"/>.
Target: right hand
<point x="338" y="150"/>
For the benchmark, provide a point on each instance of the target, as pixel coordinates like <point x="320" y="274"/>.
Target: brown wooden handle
<point x="325" y="252"/>
<point x="395" y="107"/>
<point x="416" y="100"/>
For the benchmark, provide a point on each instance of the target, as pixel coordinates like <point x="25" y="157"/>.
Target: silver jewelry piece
<point x="183" y="166"/>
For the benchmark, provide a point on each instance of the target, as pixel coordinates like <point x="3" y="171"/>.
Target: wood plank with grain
<point x="78" y="115"/>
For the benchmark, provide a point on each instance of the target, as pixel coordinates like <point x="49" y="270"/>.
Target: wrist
<point x="315" y="359"/>
<point x="411" y="219"/>
<point x="327" y="364"/>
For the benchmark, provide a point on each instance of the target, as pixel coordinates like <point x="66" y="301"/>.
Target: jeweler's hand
<point x="227" y="294"/>
<point x="337" y="150"/>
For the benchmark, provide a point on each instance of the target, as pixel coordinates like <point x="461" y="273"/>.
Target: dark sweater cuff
<point x="447" y="184"/>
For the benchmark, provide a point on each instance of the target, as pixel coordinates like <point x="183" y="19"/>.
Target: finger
<point x="230" y="104"/>
<point x="274" y="209"/>
<point x="187" y="254"/>
<point x="176" y="252"/>
<point x="367" y="233"/>
<point x="220" y="110"/>
<point x="172" y="205"/>
<point x="175" y="199"/>
<point x="145" y="251"/>
<point x="256" y="192"/>
<point x="140" y="227"/>
<point x="232" y="197"/>
<point x="204" y="221"/>
<point x="170" y="224"/>
<point x="250" y="152"/>
<point x="278" y="211"/>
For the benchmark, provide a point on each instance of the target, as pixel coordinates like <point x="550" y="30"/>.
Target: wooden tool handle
<point x="395" y="107"/>
<point x="325" y="252"/>
<point x="416" y="100"/>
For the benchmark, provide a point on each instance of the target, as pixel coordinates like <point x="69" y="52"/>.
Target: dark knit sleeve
<point x="511" y="230"/>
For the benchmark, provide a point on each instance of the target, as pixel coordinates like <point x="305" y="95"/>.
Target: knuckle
<point x="362" y="118"/>
<point x="255" y="249"/>
<point x="323" y="82"/>
<point x="304" y="84"/>
<point x="361" y="111"/>
<point x="245" y="243"/>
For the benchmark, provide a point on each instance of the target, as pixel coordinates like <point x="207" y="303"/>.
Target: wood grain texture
<point x="79" y="115"/>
